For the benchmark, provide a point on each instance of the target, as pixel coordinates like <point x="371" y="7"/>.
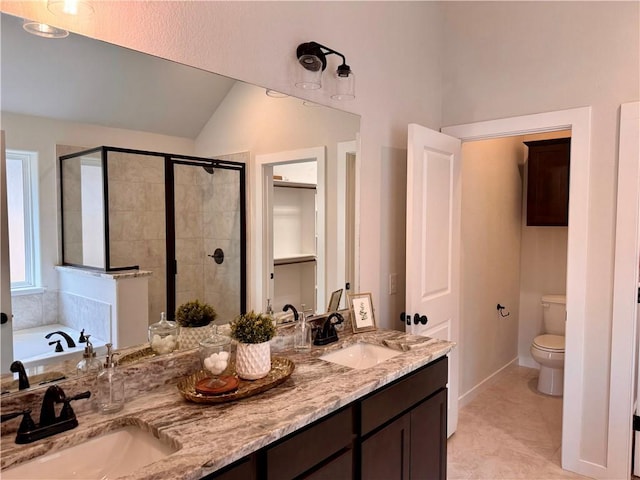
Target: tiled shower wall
<point x="208" y="217"/>
<point x="137" y="230"/>
<point x="222" y="230"/>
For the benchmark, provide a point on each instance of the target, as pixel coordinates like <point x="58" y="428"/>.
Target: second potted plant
<point x="196" y="322"/>
<point x="253" y="331"/>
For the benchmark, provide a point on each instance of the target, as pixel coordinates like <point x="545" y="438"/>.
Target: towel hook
<point x="500" y="309"/>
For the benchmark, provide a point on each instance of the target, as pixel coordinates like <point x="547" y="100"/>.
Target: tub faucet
<point x="70" y="342"/>
<point x="23" y="380"/>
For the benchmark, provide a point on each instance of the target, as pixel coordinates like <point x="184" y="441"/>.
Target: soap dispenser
<point x="89" y="363"/>
<point x="302" y="333"/>
<point x="110" y="385"/>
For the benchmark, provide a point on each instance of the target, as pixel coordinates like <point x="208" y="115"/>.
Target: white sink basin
<point x="113" y="454"/>
<point x="360" y="355"/>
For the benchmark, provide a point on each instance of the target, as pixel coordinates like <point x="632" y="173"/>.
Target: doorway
<point x="577" y="390"/>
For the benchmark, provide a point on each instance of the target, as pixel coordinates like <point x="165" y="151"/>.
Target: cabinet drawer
<point x="402" y="395"/>
<point x="303" y="450"/>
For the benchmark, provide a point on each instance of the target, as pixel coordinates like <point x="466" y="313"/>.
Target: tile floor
<point x="509" y="431"/>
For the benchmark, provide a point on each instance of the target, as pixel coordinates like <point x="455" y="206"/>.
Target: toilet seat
<point x="549" y="343"/>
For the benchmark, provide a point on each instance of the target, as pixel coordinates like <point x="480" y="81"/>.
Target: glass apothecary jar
<point x="215" y="355"/>
<point x="163" y="336"/>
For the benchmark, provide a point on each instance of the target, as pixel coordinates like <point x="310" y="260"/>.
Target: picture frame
<point x="334" y="302"/>
<point x="362" y="314"/>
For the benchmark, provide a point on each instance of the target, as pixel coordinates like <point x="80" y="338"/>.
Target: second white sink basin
<point x="360" y="355"/>
<point x="112" y="454"/>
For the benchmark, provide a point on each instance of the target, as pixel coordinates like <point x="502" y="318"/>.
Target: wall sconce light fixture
<point x="313" y="58"/>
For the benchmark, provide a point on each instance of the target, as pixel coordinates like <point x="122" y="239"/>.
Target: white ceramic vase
<point x="190" y="337"/>
<point x="253" y="360"/>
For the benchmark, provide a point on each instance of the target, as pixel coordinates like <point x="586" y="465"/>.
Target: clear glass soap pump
<point x="89" y="363"/>
<point x="110" y="384"/>
<point x="302" y="333"/>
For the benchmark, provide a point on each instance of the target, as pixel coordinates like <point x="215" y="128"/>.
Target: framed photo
<point x="361" y="307"/>
<point x="334" y="303"/>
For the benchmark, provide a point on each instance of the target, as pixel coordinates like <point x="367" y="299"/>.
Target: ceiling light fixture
<point x="78" y="8"/>
<point x="313" y="58"/>
<point x="275" y="94"/>
<point x="44" y="30"/>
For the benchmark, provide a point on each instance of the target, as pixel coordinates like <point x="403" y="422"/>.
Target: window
<point x="22" y="202"/>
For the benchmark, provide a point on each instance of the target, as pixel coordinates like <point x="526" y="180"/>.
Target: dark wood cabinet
<point x="429" y="439"/>
<point x="548" y="182"/>
<point x="312" y="448"/>
<point x="385" y="454"/>
<point x="397" y="432"/>
<point x="411" y="443"/>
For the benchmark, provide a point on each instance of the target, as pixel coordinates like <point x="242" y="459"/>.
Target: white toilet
<point x="548" y="349"/>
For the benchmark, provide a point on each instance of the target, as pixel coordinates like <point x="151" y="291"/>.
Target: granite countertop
<point x="213" y="436"/>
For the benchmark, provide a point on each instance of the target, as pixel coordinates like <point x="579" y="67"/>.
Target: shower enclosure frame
<point x="169" y="189"/>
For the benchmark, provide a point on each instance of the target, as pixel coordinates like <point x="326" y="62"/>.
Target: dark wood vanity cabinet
<point x="397" y="432"/>
<point x="404" y="428"/>
<point x="548" y="182"/>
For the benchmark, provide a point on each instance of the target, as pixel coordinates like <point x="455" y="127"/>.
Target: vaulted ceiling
<point x="83" y="80"/>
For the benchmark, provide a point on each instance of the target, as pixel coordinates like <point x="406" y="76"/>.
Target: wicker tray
<point x="281" y="369"/>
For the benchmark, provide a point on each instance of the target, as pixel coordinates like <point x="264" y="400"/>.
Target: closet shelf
<point x="291" y="259"/>
<point x="286" y="184"/>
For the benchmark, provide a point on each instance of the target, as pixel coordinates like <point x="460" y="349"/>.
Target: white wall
<point x="490" y="261"/>
<point x="398" y="74"/>
<point x="248" y="120"/>
<point x="41" y="135"/>
<point x="529" y="57"/>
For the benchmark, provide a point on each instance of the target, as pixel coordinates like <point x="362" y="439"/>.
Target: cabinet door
<point x="548" y="182"/>
<point x="429" y="439"/>
<point x="385" y="454"/>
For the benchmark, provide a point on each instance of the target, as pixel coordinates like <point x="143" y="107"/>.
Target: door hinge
<point x="636" y="423"/>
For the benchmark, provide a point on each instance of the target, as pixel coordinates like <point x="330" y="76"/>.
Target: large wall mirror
<point x="60" y="96"/>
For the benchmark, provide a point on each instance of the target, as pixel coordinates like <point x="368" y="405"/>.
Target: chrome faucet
<point x="23" y="380"/>
<point x="50" y="424"/>
<point x="70" y="342"/>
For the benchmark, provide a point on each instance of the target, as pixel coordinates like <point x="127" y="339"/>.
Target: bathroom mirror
<point x="85" y="93"/>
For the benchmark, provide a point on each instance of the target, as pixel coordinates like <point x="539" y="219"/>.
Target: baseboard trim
<point x="526" y="361"/>
<point x="471" y="394"/>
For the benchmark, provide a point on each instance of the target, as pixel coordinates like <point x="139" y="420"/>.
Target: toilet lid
<point x="549" y="342"/>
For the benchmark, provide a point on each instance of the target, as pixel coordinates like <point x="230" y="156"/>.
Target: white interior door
<point x="433" y="245"/>
<point x="6" y="328"/>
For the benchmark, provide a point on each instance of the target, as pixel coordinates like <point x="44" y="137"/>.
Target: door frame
<point x="261" y="227"/>
<point x="579" y="121"/>
<point x="625" y="287"/>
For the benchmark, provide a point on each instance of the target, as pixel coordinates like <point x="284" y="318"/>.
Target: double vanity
<point x="372" y="405"/>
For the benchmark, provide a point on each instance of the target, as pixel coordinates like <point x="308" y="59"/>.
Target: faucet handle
<point x="58" y="346"/>
<point x="67" y="412"/>
<point x="26" y="425"/>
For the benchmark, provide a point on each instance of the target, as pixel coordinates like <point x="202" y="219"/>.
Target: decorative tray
<point x="136" y="356"/>
<point x="281" y="369"/>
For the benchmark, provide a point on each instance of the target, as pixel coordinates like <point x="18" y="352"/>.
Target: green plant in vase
<point x="196" y="321"/>
<point x="253" y="331"/>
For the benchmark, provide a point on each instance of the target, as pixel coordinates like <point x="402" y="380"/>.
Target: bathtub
<point x="32" y="348"/>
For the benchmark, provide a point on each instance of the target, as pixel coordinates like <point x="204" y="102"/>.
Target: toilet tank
<point x="554" y="313"/>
